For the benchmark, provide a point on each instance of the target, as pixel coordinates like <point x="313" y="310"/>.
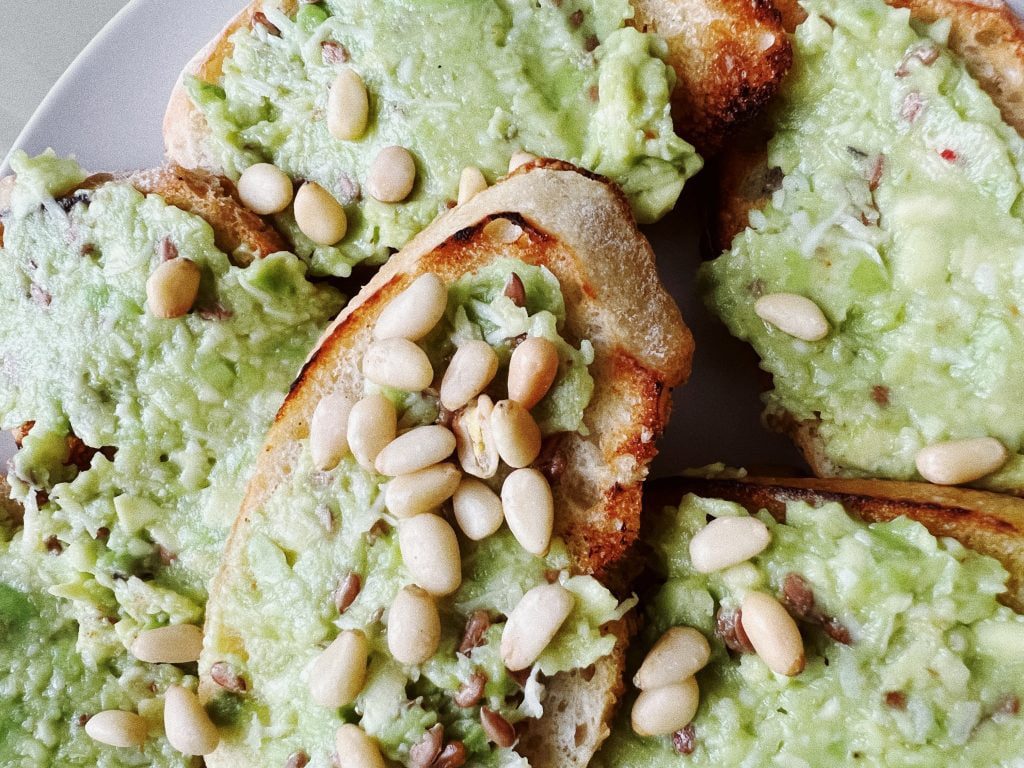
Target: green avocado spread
<point x="278" y="611"/>
<point x="457" y="83"/>
<point x="927" y="667"/>
<point x="895" y="205"/>
<point x="138" y="435"/>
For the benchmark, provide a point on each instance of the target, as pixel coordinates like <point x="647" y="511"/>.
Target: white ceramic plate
<point x="107" y="110"/>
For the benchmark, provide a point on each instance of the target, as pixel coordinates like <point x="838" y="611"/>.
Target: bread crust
<point x="579" y="227"/>
<point x="989" y="523"/>
<point x="729" y="57"/>
<point x="986" y="34"/>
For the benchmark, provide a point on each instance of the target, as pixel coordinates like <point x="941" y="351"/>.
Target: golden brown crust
<point x="580" y="228"/>
<point x="990" y="523"/>
<point x="729" y="57"/>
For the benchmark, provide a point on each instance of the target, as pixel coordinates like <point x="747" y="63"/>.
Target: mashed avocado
<point x="933" y="673"/>
<point x="458" y="83"/>
<point x="899" y="214"/>
<point x="142" y="430"/>
<point x="278" y="610"/>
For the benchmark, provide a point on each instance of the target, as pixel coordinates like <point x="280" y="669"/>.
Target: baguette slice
<point x="987" y="35"/>
<point x="580" y="228"/>
<point x="729" y="57"/>
<point x="989" y="523"/>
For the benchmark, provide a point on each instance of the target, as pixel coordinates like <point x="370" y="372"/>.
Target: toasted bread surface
<point x="989" y="523"/>
<point x="580" y="228"/>
<point x="729" y="57"/>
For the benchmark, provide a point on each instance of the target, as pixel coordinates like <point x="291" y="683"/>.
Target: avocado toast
<point x="318" y="556"/>
<point x="878" y="276"/>
<point x="138" y="419"/>
<point x="825" y="624"/>
<point x="328" y="92"/>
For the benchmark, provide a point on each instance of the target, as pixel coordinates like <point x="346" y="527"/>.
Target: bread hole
<point x="987" y="36"/>
<point x="562" y="706"/>
<point x="579" y="736"/>
<point x="588" y="673"/>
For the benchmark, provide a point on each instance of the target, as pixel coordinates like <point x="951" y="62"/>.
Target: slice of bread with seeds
<point x="579" y="227"/>
<point x="988" y="36"/>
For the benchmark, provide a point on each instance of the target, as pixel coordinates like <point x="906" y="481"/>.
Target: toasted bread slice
<point x="988" y="36"/>
<point x="989" y="523"/>
<point x="729" y="57"/>
<point x="579" y="227"/>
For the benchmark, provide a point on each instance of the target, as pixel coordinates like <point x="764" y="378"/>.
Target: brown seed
<point x="476" y="627"/>
<point x="424" y="752"/>
<point x="224" y="675"/>
<point x="515" y="290"/>
<point x="347" y="591"/>
<point x="684" y="741"/>
<point x="729" y="628"/>
<point x="297" y="760"/>
<point x="472" y="691"/>
<point x="452" y="756"/>
<point x="497" y="728"/>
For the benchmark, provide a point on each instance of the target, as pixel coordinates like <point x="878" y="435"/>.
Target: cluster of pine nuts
<point x="424" y="475"/>
<point x="266" y="190"/>
<point x="187" y="726"/>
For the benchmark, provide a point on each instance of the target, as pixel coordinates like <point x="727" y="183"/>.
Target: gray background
<point x="38" y="40"/>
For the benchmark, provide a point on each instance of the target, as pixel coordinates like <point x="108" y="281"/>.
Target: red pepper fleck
<point x="949" y="155"/>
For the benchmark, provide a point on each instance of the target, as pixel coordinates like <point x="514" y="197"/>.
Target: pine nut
<point x="348" y="106"/>
<point x="472" y="368"/>
<point x="516" y="434"/>
<point x="423" y="491"/>
<point x="533" y="624"/>
<point x="372" y="423"/>
<point x="501" y="230"/>
<point x="319" y="216"/>
<point x="176" y="644"/>
<point x="172" y="288"/>
<point x="414" y="626"/>
<point x="793" y="314"/>
<point x="529" y="509"/>
<point x="532" y="371"/>
<point x="474" y="440"/>
<point x="520" y="158"/>
<point x="961" y="461"/>
<point x="265" y="189"/>
<point x="392" y="175"/>
<point x="727" y="541"/>
<point x="187" y="726"/>
<point x="471" y="183"/>
<point x="117" y="728"/>
<point x="417" y="449"/>
<point x="477" y="509"/>
<point x="397" y="363"/>
<point x="328" y="430"/>
<point x="338" y="674"/>
<point x="414" y="312"/>
<point x="355" y="749"/>
<point x="678" y="655"/>
<point x="773" y="633"/>
<point x="665" y="710"/>
<point x="431" y="553"/>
